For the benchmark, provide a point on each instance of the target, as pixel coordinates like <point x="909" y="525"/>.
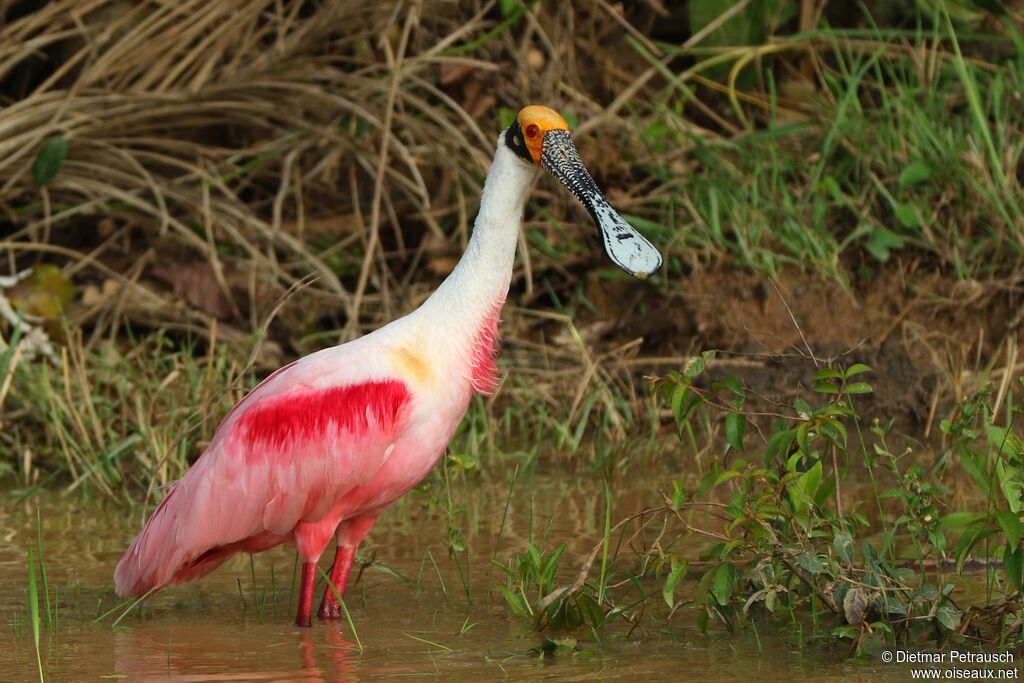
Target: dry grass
<point x="271" y="140"/>
<point x="268" y="140"/>
<point x="285" y="175"/>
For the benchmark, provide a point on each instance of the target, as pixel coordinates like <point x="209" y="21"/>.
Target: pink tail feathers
<point x="149" y="563"/>
<point x="180" y="543"/>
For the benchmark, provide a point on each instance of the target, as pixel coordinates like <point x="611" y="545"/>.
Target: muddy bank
<point x="930" y="339"/>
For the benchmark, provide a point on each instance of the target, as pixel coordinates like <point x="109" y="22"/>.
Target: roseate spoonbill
<point x="323" y="445"/>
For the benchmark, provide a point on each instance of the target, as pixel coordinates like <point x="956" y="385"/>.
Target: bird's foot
<point x="329" y="611"/>
<point x="304" y="623"/>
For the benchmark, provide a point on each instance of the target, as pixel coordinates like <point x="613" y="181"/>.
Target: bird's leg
<point x="304" y="615"/>
<point x="330" y="608"/>
<point x="310" y="540"/>
<point x="350" y="534"/>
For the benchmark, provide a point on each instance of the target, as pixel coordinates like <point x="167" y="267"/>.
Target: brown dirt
<point x="928" y="338"/>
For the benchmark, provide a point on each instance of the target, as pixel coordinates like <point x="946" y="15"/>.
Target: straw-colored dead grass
<point x="233" y="162"/>
<point x="297" y="172"/>
<point x="272" y="140"/>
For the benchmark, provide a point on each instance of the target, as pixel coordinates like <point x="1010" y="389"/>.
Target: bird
<point x="322" y="446"/>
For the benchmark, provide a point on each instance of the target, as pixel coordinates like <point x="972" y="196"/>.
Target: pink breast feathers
<point x="294" y="418"/>
<point x="484" y="371"/>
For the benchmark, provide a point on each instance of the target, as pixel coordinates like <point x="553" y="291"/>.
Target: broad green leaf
<point x="840" y="431"/>
<point x="726" y="476"/>
<point x="679" y="394"/>
<point x="696" y="365"/>
<point x="1011" y="527"/>
<point x="908" y="215"/>
<point x="914" y="173"/>
<point x="842" y="543"/>
<point x="668" y="591"/>
<point x="968" y="540"/>
<point x="810" y="563"/>
<point x="592" y="612"/>
<point x="849" y="632"/>
<point x="975" y="465"/>
<point x="778" y="445"/>
<point x="802" y="407"/>
<point x="725" y="583"/>
<point x="1013" y="566"/>
<point x="948" y="616"/>
<point x="49" y="161"/>
<point x="515" y="601"/>
<point x="1011" y="482"/>
<point x="881" y="242"/>
<point x="824" y="491"/>
<point x="857" y="369"/>
<point x="708" y="482"/>
<point x="858" y="388"/>
<point x="937" y="539"/>
<point x="679" y="494"/>
<point x="895" y="606"/>
<point x="735" y="427"/>
<point x="733" y="385"/>
<point x="823" y="386"/>
<point x="809" y="479"/>
<point x="801" y="437"/>
<point x="534" y="557"/>
<point x="926" y="592"/>
<point x="958" y="520"/>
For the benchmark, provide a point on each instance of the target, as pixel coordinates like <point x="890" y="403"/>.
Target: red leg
<point x="304" y="615"/>
<point x="330" y="608"/>
<point x="350" y="534"/>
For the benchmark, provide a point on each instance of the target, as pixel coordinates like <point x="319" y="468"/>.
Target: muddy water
<point x="413" y="621"/>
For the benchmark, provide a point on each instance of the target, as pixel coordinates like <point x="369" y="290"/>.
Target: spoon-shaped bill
<point x="626" y="247"/>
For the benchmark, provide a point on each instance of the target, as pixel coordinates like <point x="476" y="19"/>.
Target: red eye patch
<point x="532" y="130"/>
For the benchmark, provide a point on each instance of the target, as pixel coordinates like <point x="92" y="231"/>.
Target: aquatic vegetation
<point x="171" y="181"/>
<point x="785" y="541"/>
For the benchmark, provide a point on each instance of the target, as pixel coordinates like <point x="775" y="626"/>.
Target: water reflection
<point x="155" y="654"/>
<point x="421" y="626"/>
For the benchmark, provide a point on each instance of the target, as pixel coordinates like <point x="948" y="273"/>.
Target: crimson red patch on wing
<point x="356" y="409"/>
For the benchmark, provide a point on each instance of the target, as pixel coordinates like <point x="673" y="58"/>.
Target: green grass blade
<point x="428" y="642"/>
<point x="344" y="608"/>
<point x="501" y="530"/>
<point x="33" y="608"/>
<point x="604" y="544"/>
<point x="45" y="586"/>
<point x="978" y="113"/>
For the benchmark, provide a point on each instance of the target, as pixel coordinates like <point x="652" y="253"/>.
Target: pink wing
<point x="288" y="451"/>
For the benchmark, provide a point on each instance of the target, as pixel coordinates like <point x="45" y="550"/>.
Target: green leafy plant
<point x="532" y="591"/>
<point x="781" y="540"/>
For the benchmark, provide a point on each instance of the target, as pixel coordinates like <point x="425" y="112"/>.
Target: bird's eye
<point x="532" y="130"/>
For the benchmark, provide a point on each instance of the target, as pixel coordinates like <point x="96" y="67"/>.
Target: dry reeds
<point x="244" y="134"/>
<point x="286" y="174"/>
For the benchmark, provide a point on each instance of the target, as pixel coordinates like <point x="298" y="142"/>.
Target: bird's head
<point x="540" y="136"/>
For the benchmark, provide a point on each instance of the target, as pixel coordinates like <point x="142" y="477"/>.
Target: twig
<point x="792" y="317"/>
<point x="378" y="188"/>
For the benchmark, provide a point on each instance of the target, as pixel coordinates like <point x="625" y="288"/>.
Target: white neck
<point x="482" y="276"/>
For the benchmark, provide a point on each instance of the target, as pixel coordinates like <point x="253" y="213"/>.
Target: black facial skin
<point x="515" y="141"/>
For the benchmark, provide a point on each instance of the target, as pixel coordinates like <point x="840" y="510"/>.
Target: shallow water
<point x="409" y="627"/>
